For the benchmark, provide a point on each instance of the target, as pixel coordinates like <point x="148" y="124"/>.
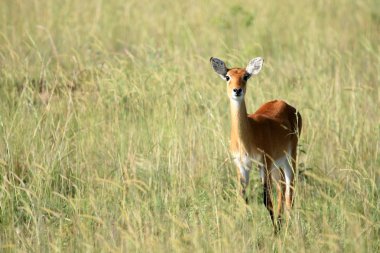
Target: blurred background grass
<point x="114" y="128"/>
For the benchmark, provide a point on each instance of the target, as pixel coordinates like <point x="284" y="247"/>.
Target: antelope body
<point x="269" y="137"/>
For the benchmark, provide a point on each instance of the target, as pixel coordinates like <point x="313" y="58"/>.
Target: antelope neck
<point x="240" y="127"/>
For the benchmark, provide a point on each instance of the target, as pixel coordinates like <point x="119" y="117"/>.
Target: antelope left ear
<point x="254" y="66"/>
<point x="219" y="67"/>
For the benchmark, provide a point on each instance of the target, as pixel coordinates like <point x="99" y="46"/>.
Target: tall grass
<point x="114" y="129"/>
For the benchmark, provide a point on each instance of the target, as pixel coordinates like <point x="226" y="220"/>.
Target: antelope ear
<point x="219" y="67"/>
<point x="254" y="66"/>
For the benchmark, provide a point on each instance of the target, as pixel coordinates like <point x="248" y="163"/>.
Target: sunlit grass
<point x="115" y="130"/>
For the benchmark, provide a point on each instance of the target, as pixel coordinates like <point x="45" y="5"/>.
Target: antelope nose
<point x="238" y="91"/>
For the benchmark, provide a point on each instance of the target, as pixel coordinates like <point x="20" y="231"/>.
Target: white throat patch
<point x="236" y="102"/>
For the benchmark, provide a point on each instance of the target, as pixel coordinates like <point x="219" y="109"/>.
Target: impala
<point x="268" y="137"/>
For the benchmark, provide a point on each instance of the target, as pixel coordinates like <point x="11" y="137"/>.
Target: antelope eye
<point x="227" y="78"/>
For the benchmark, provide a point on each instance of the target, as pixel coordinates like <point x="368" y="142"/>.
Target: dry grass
<point x="114" y="128"/>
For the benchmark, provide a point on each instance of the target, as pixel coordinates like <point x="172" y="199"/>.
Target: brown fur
<point x="268" y="133"/>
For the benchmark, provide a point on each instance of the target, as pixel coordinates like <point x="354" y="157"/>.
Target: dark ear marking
<point x="219" y="66"/>
<point x="246" y="76"/>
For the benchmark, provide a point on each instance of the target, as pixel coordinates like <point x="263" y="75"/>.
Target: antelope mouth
<point x="237" y="97"/>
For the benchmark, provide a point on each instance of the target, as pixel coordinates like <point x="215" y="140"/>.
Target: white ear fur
<point x="254" y="66"/>
<point x="223" y="77"/>
<point x="219" y="67"/>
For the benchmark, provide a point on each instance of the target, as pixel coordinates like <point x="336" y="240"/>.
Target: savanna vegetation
<point x="114" y="129"/>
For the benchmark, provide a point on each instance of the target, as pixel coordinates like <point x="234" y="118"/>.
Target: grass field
<point x="114" y="129"/>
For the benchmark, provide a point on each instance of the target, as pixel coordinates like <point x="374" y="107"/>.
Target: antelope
<point x="268" y="137"/>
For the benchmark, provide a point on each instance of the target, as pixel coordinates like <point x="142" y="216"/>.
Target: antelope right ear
<point x="219" y="67"/>
<point x="254" y="66"/>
